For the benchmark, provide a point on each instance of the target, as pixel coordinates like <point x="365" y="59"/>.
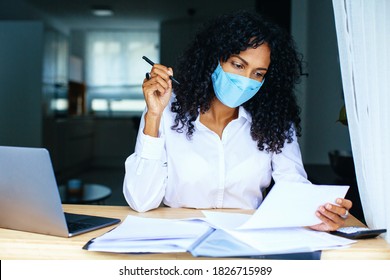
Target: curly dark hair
<point x="274" y="110"/>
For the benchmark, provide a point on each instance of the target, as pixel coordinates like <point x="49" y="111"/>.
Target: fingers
<point x="157" y="89"/>
<point x="161" y="71"/>
<point x="333" y="216"/>
<point x="345" y="203"/>
<point x="335" y="210"/>
<point x="327" y="223"/>
<point x="330" y="217"/>
<point x="157" y="85"/>
<point x="158" y="80"/>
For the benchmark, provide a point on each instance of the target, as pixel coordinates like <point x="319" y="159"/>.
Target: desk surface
<point x="23" y="245"/>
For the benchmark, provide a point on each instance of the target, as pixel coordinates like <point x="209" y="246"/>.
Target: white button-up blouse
<point x="205" y="171"/>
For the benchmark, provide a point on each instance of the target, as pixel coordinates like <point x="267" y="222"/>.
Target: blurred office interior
<point x="70" y="79"/>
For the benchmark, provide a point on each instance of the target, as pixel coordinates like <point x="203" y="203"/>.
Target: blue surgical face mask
<point x="233" y="90"/>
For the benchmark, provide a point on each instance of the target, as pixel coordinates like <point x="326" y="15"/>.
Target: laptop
<point x="30" y="200"/>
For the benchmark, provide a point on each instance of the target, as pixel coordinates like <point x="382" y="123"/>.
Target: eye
<point x="258" y="75"/>
<point x="237" y="65"/>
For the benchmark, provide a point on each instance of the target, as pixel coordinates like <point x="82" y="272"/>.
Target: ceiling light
<point x="102" y="11"/>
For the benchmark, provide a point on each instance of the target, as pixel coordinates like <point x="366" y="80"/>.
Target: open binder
<point x="219" y="244"/>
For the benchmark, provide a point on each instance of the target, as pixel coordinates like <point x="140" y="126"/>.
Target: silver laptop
<point x="30" y="200"/>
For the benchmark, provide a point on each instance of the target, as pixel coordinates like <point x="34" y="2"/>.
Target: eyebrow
<point x="246" y="62"/>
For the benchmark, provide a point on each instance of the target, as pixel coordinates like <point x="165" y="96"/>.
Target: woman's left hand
<point x="333" y="216"/>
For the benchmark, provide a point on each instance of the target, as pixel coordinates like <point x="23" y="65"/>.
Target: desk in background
<point x="91" y="193"/>
<point x="23" y="245"/>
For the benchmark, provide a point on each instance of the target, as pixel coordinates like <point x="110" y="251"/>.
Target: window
<point x="115" y="70"/>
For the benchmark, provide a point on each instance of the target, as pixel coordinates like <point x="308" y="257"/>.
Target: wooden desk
<point x="23" y="245"/>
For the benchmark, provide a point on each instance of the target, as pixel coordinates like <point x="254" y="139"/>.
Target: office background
<point x="103" y="142"/>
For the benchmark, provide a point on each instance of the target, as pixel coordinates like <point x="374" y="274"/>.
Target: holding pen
<point x="152" y="63"/>
<point x="157" y="90"/>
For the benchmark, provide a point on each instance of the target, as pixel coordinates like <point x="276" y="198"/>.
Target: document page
<point x="293" y="205"/>
<point x="275" y="227"/>
<point x="278" y="224"/>
<point x="287" y="205"/>
<point x="285" y="240"/>
<point x="149" y="235"/>
<point x="223" y="220"/>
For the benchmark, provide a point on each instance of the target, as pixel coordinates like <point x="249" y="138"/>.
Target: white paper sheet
<point x="223" y="220"/>
<point x="278" y="225"/>
<point x="287" y="205"/>
<point x="287" y="208"/>
<point x="285" y="240"/>
<point x="150" y="235"/>
<point x="293" y="205"/>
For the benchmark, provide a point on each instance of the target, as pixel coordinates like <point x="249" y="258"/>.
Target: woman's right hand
<point x="158" y="89"/>
<point x="157" y="92"/>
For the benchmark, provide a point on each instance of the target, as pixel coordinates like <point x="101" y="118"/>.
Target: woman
<point x="230" y="126"/>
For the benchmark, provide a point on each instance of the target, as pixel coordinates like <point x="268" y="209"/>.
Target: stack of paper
<point x="146" y="235"/>
<point x="277" y="227"/>
<point x="262" y="241"/>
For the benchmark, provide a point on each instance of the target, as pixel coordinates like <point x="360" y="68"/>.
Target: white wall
<point x="21" y="50"/>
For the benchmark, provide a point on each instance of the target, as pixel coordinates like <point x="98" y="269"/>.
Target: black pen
<point x="152" y="63"/>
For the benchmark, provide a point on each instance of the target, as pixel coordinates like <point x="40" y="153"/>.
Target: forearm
<point x="152" y="124"/>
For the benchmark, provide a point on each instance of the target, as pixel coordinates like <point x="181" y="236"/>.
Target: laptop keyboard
<point x="77" y="226"/>
<point x="78" y="223"/>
